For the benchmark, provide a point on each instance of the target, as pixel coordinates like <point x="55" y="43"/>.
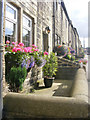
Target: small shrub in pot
<point x="49" y="69"/>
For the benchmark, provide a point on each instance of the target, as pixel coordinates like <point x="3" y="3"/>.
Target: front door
<point x="45" y="42"/>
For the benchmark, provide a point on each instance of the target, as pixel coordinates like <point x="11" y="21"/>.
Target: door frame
<point x="44" y="33"/>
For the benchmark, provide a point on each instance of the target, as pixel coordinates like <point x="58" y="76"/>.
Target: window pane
<point x="10" y="12"/>
<point x="59" y="40"/>
<point x="10" y="31"/>
<point x="26" y="37"/>
<point x="26" y="22"/>
<point x="56" y="40"/>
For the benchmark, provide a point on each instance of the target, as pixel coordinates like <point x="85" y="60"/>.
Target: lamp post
<point x="1" y="54"/>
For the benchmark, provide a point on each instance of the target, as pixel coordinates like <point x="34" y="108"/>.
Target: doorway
<point x="45" y="42"/>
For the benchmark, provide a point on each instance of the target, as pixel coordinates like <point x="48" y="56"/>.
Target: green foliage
<point x="81" y="53"/>
<point x="61" y="50"/>
<point x="68" y="57"/>
<point x="13" y="60"/>
<point x="16" y="78"/>
<point x="73" y="58"/>
<point x="51" y="65"/>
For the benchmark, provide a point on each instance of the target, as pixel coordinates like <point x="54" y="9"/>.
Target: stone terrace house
<point x="64" y="24"/>
<point x="45" y="24"/>
<point x="56" y="23"/>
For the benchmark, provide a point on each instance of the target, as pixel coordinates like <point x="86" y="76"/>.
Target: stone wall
<point x="68" y="32"/>
<point x="57" y="26"/>
<point x="43" y="15"/>
<point x="28" y="7"/>
<point x="44" y="19"/>
<point x="73" y="39"/>
<point x="65" y="23"/>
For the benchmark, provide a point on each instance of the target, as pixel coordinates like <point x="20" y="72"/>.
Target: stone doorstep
<point x="34" y="105"/>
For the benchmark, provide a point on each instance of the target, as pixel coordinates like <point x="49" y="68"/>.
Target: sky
<point x="78" y="13"/>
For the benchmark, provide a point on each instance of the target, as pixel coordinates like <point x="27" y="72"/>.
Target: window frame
<point x="27" y="28"/>
<point x="12" y="20"/>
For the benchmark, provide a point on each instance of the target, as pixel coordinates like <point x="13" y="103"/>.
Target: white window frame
<point x="28" y="28"/>
<point x="12" y="20"/>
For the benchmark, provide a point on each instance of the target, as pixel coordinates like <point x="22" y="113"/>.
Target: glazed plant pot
<point x="48" y="82"/>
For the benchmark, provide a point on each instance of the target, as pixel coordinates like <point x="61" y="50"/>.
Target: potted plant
<point x="49" y="69"/>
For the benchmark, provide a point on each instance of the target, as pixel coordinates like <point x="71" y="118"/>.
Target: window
<point x="10" y="23"/>
<point x="66" y="23"/>
<point x="56" y="5"/>
<point x="61" y="14"/>
<point x="56" y="39"/>
<point x="27" y="30"/>
<point x="59" y="40"/>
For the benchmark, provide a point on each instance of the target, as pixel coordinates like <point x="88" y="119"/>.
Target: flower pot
<point x="48" y="82"/>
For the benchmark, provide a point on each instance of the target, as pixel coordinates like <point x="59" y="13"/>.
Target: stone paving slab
<point x="59" y="88"/>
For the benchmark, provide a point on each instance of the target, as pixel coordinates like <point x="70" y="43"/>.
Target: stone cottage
<point x="45" y="24"/>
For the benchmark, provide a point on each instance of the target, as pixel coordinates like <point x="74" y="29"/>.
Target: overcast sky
<point x="78" y="13"/>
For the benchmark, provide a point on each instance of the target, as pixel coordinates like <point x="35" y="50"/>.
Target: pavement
<point x="59" y="88"/>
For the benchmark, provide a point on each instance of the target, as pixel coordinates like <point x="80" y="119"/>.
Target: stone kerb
<point x="33" y="106"/>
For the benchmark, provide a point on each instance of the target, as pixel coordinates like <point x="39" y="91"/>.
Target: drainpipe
<point x="1" y="54"/>
<point x="53" y="39"/>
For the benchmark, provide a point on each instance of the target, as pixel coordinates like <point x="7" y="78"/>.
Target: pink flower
<point x="31" y="51"/>
<point x="13" y="43"/>
<point x="21" y="44"/>
<point x="6" y="46"/>
<point x="45" y="53"/>
<point x="19" y="49"/>
<point x="14" y="49"/>
<point x="34" y="46"/>
<point x="36" y="50"/>
<point x="7" y="42"/>
<point x="25" y="50"/>
<point x="18" y="45"/>
<point x="29" y="48"/>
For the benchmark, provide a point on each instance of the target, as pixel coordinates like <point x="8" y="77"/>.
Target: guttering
<point x="64" y="8"/>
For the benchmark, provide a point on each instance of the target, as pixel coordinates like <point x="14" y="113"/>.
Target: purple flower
<point x="32" y="63"/>
<point x="25" y="63"/>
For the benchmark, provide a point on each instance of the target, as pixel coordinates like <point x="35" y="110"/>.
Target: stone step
<point x="65" y="62"/>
